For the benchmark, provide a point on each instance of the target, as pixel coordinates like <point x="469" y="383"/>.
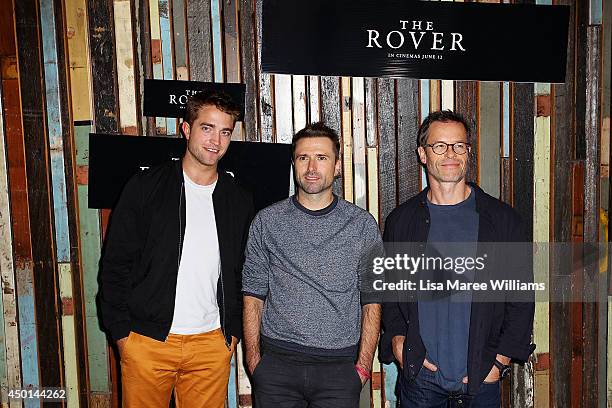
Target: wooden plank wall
<point x="69" y="67"/>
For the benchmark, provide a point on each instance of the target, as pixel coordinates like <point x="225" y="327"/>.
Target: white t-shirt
<point x="195" y="307"/>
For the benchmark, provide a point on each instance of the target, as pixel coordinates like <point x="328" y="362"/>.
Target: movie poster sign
<point x="416" y="39"/>
<point x="167" y="98"/>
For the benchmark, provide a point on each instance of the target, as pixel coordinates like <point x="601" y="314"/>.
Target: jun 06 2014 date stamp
<point x="48" y="394"/>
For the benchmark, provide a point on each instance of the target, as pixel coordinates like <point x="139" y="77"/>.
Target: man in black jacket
<point x="171" y="269"/>
<point x="452" y="348"/>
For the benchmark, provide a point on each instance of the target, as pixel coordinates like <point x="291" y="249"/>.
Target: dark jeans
<point x="423" y="392"/>
<point x="282" y="383"/>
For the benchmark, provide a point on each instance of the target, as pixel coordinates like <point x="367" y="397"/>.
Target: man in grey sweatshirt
<point x="310" y="333"/>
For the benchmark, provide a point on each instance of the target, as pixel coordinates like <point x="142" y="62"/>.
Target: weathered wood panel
<point x="387" y="157"/>
<point x="490" y="135"/>
<point x="30" y="60"/>
<point x="466" y="103"/>
<point x="248" y="64"/>
<point x="408" y="167"/>
<point x="331" y="115"/>
<point x="200" y="44"/>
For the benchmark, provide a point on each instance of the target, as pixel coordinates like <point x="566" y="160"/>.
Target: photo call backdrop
<point x="69" y="68"/>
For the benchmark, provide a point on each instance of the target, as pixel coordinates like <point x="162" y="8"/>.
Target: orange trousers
<point x="195" y="366"/>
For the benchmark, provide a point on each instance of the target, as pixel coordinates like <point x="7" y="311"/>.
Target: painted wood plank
<point x="128" y="120"/>
<point x="562" y="156"/>
<point x="390" y="381"/>
<point x="523" y="199"/>
<point x="77" y="35"/>
<point x="217" y="40"/>
<point x="373" y="199"/>
<point x="89" y="223"/>
<point x="102" y="62"/>
<point x="359" y="143"/>
<point x="200" y="40"/>
<point x="232" y="386"/>
<point x="447" y="95"/>
<point x="467" y="105"/>
<point x="248" y="65"/>
<point x="371" y="147"/>
<point x="157" y="58"/>
<point x="347" y="139"/>
<point x="266" y="107"/>
<point x="65" y="73"/>
<point x="244" y="384"/>
<point x="591" y="380"/>
<point x="167" y="55"/>
<point x="435" y="95"/>
<point x="143" y="66"/>
<point x="331" y="115"/>
<point x="425" y="101"/>
<point x="27" y="25"/>
<point x="231" y="49"/>
<point x="55" y="118"/>
<point x="490" y="136"/>
<point x="387" y="156"/>
<point x="20" y="219"/>
<point x="299" y="102"/>
<point x="506" y="119"/>
<point x="314" y="96"/>
<point x="408" y="167"/>
<point x="283" y="109"/>
<point x="181" y="63"/>
<point x="371" y="94"/>
<point x="9" y="353"/>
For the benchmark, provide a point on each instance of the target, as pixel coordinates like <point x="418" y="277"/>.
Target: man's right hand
<point x="252" y="362"/>
<point x="397" y="343"/>
<point x="121" y="345"/>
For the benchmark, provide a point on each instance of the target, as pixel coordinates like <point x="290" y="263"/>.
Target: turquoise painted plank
<point x="506" y="115"/>
<point x="215" y="8"/>
<point x="54" y="127"/>
<point x="232" y="387"/>
<point x="89" y="223"/>
<point x="168" y="64"/>
<point x="425" y="100"/>
<point x="595" y="12"/>
<point x="27" y="330"/>
<point x="390" y="382"/>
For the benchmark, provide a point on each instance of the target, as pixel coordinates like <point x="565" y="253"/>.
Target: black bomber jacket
<point x="141" y="256"/>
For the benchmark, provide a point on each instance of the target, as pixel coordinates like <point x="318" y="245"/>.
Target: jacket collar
<point x="223" y="179"/>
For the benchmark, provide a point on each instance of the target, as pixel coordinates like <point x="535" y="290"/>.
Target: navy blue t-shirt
<point x="444" y="318"/>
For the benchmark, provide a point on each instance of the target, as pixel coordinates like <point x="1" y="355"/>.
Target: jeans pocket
<point x="256" y="370"/>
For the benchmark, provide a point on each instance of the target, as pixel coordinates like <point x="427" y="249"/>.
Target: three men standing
<point x="171" y="269"/>
<point x="309" y="335"/>
<point x="453" y="352"/>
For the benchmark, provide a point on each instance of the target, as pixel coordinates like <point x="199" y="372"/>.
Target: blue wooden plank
<point x="54" y="113"/>
<point x="425" y="96"/>
<point x="506" y="115"/>
<point x="168" y="63"/>
<point x="215" y="8"/>
<point x="232" y="387"/>
<point x="390" y="383"/>
<point x="27" y="330"/>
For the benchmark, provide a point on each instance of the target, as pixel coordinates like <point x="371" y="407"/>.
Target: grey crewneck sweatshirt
<point x="305" y="265"/>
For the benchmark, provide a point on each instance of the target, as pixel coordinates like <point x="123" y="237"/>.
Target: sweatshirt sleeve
<point x="256" y="268"/>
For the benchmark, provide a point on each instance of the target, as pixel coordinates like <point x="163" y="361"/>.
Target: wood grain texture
<point x="165" y="19"/>
<point x="102" y="62"/>
<point x="346" y="135"/>
<point x="200" y="36"/>
<point x="283" y="112"/>
<point x="144" y="66"/>
<point x="266" y="107"/>
<point x="217" y="40"/>
<point x="562" y="155"/>
<point x="387" y="157"/>
<point x="331" y="115"/>
<point x="300" y="108"/>
<point x="466" y="103"/>
<point x="128" y="120"/>
<point x="157" y="58"/>
<point x="358" y="121"/>
<point x="77" y="35"/>
<point x="37" y="159"/>
<point x="490" y="136"/>
<point x="592" y="134"/>
<point x="179" y="33"/>
<point x="248" y="65"/>
<point x="9" y="341"/>
<point x="231" y="49"/>
<point x="409" y="169"/>
<point x="314" y="99"/>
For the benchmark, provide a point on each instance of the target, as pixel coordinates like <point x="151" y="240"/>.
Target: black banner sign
<point x="416" y="39"/>
<point x="167" y="98"/>
<point x="262" y="168"/>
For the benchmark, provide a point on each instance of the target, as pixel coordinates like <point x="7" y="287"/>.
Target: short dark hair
<point x="218" y="99"/>
<point x="441" y="116"/>
<point x="317" y="129"/>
